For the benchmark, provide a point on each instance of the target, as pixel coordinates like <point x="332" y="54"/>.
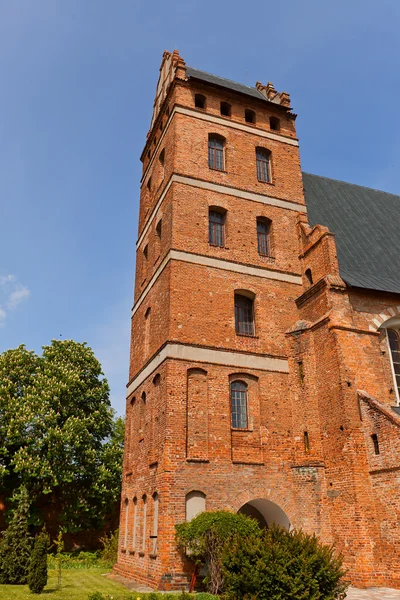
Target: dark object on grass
<point x="16" y="543"/>
<point x="37" y="576"/>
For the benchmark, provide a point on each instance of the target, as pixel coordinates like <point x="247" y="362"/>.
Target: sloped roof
<point x="226" y="83"/>
<point x="366" y="224"/>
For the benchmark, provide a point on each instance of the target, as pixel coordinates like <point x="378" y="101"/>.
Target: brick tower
<point x="227" y="371"/>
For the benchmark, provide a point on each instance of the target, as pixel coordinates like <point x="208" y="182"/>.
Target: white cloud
<point x="12" y="293"/>
<point x="18" y="295"/>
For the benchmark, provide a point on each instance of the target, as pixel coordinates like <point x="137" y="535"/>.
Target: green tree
<point x="37" y="575"/>
<point x="282" y="565"/>
<point x="59" y="436"/>
<point x="16" y="543"/>
<point x="206" y="537"/>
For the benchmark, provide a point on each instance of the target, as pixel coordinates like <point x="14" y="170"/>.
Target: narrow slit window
<point x="134" y="524"/>
<point x="239" y="404"/>
<point x="306" y="442"/>
<point x="216" y="228"/>
<point x="274" y="123"/>
<point x="126" y="522"/>
<point x="216" y="152"/>
<point x="155" y="524"/>
<point x="263" y="157"/>
<point x="309" y="276"/>
<point x="263" y="242"/>
<point x="375" y="441"/>
<point x="244" y="315"/>
<point x="144" y="524"/>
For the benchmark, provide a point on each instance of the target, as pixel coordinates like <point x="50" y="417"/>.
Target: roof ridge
<point x="352" y="184"/>
<point x="224" y="78"/>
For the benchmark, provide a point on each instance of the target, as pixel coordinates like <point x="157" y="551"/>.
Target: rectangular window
<point x="239" y="405"/>
<point x="216" y="153"/>
<point x="244" y="317"/>
<point x="263" y="164"/>
<point x="216" y="227"/>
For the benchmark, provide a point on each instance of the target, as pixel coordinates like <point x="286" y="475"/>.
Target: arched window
<point x="225" y="109"/>
<point x="375" y="442"/>
<point x="216" y="145"/>
<point x="149" y="184"/>
<point x="144" y="523"/>
<point x="394" y="344"/>
<point x="216" y="228"/>
<point x="249" y="116"/>
<point x="195" y="504"/>
<point x="239" y="404"/>
<point x="199" y="101"/>
<point x="126" y="522"/>
<point x="244" y="314"/>
<point x="161" y="158"/>
<point x="263" y="157"/>
<point x="159" y="228"/>
<point x="274" y="123"/>
<point x="309" y="276"/>
<point x="263" y="236"/>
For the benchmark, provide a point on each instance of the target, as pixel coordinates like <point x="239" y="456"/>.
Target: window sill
<point x="247" y="335"/>
<point x="217" y="246"/>
<point x="243" y="429"/>
<point x="266" y="182"/>
<point x="218" y="170"/>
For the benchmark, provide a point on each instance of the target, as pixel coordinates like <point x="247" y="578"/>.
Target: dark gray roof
<point x="366" y="224"/>
<point x="226" y="83"/>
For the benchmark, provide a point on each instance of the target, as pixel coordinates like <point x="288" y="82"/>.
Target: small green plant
<point x="110" y="548"/>
<point x="37" y="575"/>
<point x="205" y="596"/>
<point x="205" y="538"/>
<point x="96" y="596"/>
<point x="282" y="565"/>
<point x="59" y="544"/>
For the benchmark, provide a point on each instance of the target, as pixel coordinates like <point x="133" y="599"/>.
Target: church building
<point x="265" y="350"/>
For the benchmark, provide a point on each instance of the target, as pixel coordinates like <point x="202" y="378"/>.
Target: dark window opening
<point x="309" y="276"/>
<point x="225" y="109"/>
<point x="394" y="344"/>
<point x="167" y="111"/>
<point x="306" y="442"/>
<point x="274" y="123"/>
<point x="148" y="153"/>
<point x="263" y="230"/>
<point x="216" y="152"/>
<point x="263" y="164"/>
<point x="301" y="371"/>
<point x="199" y="101"/>
<point x="244" y="315"/>
<point x="239" y="404"/>
<point x="143" y="397"/>
<point x="376" y="443"/>
<point x="146" y="251"/>
<point x="149" y="184"/>
<point x="216" y="228"/>
<point x="159" y="228"/>
<point x="249" y="116"/>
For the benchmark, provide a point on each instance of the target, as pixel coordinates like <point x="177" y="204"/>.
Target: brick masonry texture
<point x="308" y="447"/>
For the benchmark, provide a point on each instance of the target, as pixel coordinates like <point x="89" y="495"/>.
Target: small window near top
<point x="159" y="228"/>
<point x="274" y="123"/>
<point x="309" y="276"/>
<point x="199" y="101"/>
<point x="149" y="184"/>
<point x="263" y="158"/>
<point x="148" y="153"/>
<point x="225" y="109"/>
<point x="216" y="228"/>
<point x="146" y="251"/>
<point x="244" y="315"/>
<point x="249" y="115"/>
<point x="161" y="158"/>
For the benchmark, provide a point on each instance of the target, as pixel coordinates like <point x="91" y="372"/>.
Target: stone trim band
<point x="215" y="263"/>
<point x="208" y="355"/>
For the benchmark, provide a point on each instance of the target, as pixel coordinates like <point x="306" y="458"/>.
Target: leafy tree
<point x="206" y="537"/>
<point x="16" y="543"/>
<point x="59" y="436"/>
<point x="282" y="565"/>
<point x="37" y="575"/>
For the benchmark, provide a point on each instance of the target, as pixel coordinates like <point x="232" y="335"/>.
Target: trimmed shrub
<point x="282" y="565"/>
<point x="16" y="544"/>
<point x="206" y="537"/>
<point x="37" y="575"/>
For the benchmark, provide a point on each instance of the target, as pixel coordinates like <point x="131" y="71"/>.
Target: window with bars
<point x="244" y="315"/>
<point x="239" y="404"/>
<point x="216" y="228"/>
<point x="263" y="158"/>
<point x="263" y="241"/>
<point x="216" y="152"/>
<point x="394" y="344"/>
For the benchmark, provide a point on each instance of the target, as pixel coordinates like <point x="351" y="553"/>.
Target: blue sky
<point x="77" y="79"/>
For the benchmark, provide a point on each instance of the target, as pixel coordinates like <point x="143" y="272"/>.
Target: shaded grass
<point x="77" y="584"/>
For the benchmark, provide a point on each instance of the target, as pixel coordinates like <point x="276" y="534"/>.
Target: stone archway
<point x="266" y="513"/>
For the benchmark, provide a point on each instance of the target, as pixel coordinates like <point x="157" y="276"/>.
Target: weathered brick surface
<point x="308" y="445"/>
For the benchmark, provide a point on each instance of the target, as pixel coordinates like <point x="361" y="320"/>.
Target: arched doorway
<point x="265" y="512"/>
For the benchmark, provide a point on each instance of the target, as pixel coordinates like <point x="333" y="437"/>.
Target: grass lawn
<point x="77" y="584"/>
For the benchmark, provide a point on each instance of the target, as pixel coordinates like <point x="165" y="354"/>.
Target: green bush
<point x="110" y="548"/>
<point x="75" y="560"/>
<point x="96" y="596"/>
<point x="16" y="543"/>
<point x="205" y="596"/>
<point x="282" y="565"/>
<point x="206" y="537"/>
<point x="37" y="575"/>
